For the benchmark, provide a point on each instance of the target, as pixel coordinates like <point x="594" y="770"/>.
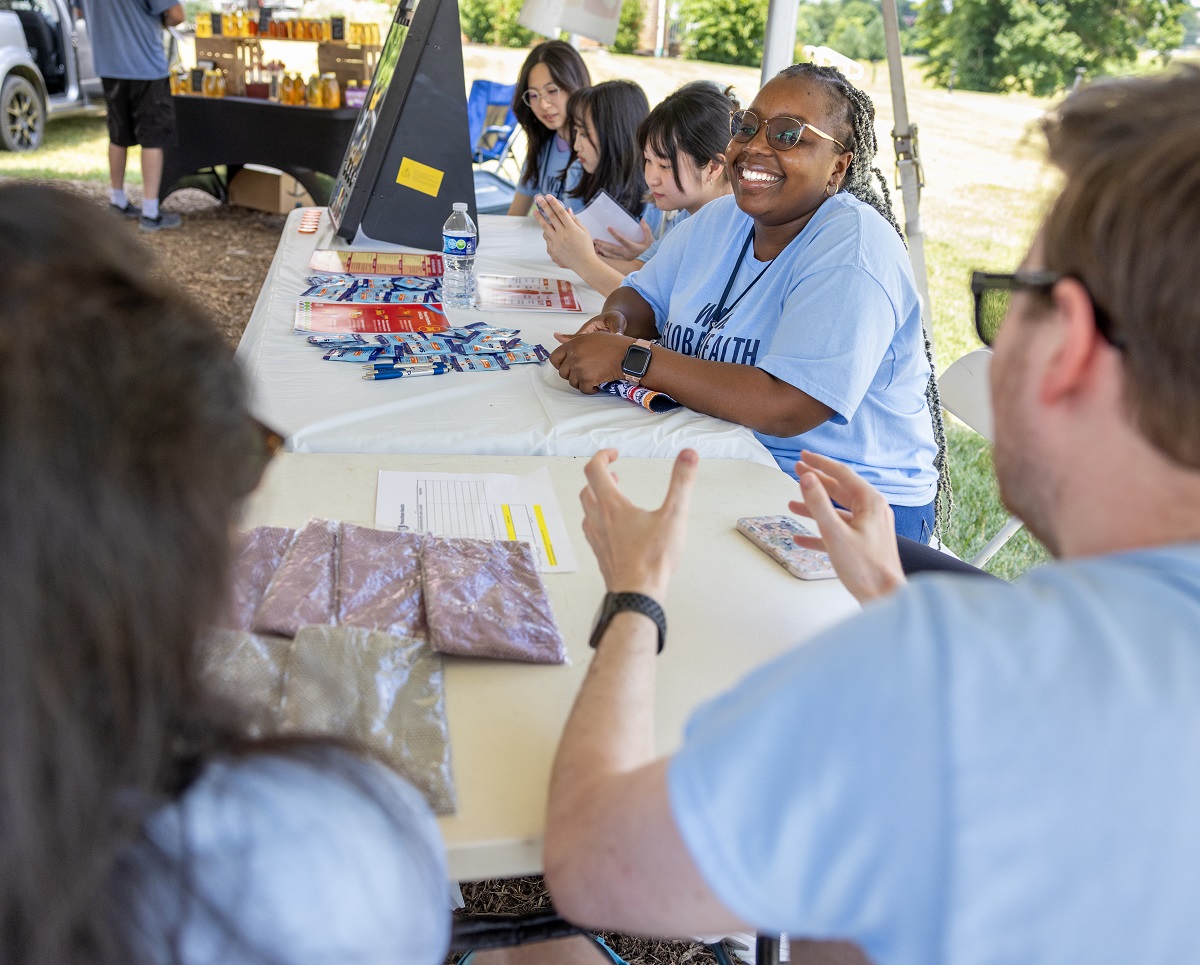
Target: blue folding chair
<point x="491" y="122"/>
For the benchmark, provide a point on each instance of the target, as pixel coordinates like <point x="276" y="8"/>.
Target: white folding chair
<point x="964" y="391"/>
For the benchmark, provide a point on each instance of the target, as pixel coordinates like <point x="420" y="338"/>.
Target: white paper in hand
<point x="603" y="213"/>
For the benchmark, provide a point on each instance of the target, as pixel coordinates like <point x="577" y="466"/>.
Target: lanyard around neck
<point x="719" y="316"/>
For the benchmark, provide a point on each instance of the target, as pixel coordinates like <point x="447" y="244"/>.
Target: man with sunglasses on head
<point x="969" y="771"/>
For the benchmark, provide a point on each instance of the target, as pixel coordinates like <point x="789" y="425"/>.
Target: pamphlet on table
<point x="481" y="506"/>
<point x="376" y="262"/>
<point x="314" y="316"/>
<point x="525" y="293"/>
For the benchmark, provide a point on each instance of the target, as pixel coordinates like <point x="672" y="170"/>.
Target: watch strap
<point x="615" y="603"/>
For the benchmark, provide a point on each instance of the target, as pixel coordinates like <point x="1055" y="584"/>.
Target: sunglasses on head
<point x="993" y="294"/>
<point x="783" y="133"/>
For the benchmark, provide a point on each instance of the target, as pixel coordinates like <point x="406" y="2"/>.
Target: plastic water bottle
<point x="459" y="237"/>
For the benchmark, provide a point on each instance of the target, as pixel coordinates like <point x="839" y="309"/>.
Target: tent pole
<point x="779" y="48"/>
<point x="908" y="162"/>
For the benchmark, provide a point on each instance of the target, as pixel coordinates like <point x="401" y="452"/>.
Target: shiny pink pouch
<point x="303" y="590"/>
<point x="258" y="555"/>
<point x="485" y="598"/>
<point x="379" y="581"/>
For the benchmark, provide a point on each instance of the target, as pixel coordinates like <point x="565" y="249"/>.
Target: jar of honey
<point x="331" y="91"/>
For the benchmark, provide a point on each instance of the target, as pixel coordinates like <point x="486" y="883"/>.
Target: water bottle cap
<point x="459" y="206"/>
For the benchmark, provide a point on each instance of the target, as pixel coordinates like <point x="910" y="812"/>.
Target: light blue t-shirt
<point x="127" y="37"/>
<point x="311" y="865"/>
<point x="556" y="178"/>
<point x="836" y="315"/>
<point x="969" y="772"/>
<point x="665" y="225"/>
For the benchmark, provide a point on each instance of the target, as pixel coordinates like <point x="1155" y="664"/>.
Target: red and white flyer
<point x="526" y="293"/>
<point x="367" y="319"/>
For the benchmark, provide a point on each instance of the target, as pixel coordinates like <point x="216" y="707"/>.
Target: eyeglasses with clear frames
<point x="783" y="133"/>
<point x="532" y="95"/>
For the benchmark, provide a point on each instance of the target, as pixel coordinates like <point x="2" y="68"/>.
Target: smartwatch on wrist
<point x="637" y="361"/>
<point x="614" y="603"/>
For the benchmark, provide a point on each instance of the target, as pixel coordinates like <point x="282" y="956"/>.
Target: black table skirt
<point x="233" y="131"/>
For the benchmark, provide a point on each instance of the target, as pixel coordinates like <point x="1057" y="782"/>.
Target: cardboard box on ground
<point x="266" y="189"/>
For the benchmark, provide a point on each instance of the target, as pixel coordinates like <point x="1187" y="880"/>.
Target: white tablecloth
<point x="327" y="407"/>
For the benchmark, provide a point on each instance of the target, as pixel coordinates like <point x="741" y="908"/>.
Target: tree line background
<point x="1036" y="46"/>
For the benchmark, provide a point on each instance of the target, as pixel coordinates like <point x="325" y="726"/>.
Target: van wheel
<point x="22" y="115"/>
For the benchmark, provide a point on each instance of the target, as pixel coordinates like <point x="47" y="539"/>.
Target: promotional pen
<point x="437" y="368"/>
<point x="406" y="372"/>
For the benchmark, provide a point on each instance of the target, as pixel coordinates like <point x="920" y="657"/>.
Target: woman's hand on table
<point x="861" y="539"/>
<point x="568" y="242"/>
<point x="588" y="360"/>
<point x="622" y="248"/>
<point x="638" y="550"/>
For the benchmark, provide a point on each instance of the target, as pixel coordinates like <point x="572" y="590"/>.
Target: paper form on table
<point x="480" y="506"/>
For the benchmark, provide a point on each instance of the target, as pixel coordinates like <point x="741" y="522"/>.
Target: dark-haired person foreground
<point x="791" y="307"/>
<point x="969" y="771"/>
<point x="136" y="826"/>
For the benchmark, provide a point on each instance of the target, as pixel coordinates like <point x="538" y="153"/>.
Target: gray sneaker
<point x="164" y="221"/>
<point x="130" y="210"/>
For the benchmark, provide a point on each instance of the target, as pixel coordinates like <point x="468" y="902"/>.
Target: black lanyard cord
<point x="722" y="313"/>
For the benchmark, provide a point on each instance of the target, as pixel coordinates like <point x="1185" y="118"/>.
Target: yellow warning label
<point x="420" y="177"/>
<point x="508" y="521"/>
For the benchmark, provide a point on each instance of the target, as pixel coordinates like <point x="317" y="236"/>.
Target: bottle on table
<point x="459" y="237"/>
<point x="331" y="91"/>
<point x="315" y="91"/>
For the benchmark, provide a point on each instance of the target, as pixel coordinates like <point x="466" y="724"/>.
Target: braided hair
<point x="858" y="134"/>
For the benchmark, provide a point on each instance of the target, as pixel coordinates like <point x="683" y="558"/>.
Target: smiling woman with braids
<point x="789" y="308"/>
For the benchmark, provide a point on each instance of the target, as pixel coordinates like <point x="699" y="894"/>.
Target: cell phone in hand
<point x="773" y="535"/>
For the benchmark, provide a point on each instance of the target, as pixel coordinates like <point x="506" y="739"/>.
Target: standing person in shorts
<point x="127" y="45"/>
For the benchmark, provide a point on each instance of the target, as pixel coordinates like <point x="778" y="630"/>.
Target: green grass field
<point x="986" y="187"/>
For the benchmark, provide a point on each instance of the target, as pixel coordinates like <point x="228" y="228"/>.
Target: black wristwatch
<point x="614" y="603"/>
<point x="637" y="361"/>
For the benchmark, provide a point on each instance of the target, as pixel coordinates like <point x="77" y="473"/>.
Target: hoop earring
<point x="835" y="186"/>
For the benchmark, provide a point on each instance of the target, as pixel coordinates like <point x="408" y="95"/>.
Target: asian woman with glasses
<point x="552" y="72"/>
<point x="790" y="307"/>
<point x="682" y="143"/>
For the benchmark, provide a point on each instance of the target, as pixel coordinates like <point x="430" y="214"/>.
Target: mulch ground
<point x="221" y="255"/>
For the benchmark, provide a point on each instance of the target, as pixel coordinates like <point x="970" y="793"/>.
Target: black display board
<point x="409" y="158"/>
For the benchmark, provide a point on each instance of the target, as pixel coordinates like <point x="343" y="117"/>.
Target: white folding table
<point x="730" y="608"/>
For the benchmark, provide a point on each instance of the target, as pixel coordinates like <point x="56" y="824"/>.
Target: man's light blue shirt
<point x="969" y="772"/>
<point x="127" y="37"/>
<point x="836" y="315"/>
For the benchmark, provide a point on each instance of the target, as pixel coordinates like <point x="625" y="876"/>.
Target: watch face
<point x="637" y="360"/>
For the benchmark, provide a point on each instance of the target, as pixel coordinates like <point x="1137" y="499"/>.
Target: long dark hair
<point x="693" y="120"/>
<point x="616" y="108"/>
<point x="568" y="70"/>
<point x="126" y="450"/>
